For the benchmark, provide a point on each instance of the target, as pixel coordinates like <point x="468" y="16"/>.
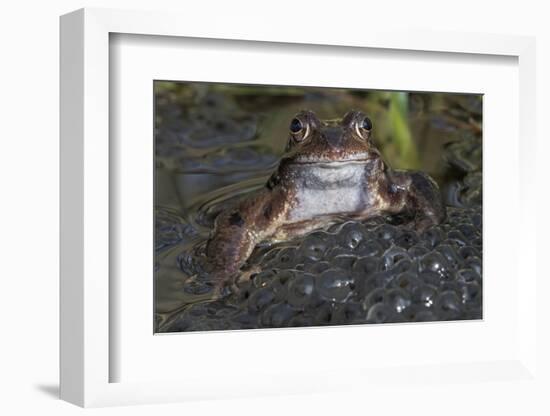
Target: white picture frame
<point x="87" y="294"/>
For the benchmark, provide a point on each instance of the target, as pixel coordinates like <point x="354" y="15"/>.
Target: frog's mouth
<point x="331" y="163"/>
<point x="337" y="166"/>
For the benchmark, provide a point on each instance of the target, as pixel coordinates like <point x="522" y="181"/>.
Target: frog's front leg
<point x="231" y="243"/>
<point x="236" y="232"/>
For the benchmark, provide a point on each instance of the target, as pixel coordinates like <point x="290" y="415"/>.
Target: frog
<point x="330" y="171"/>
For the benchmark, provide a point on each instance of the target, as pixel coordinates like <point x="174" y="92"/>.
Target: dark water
<point x="214" y="143"/>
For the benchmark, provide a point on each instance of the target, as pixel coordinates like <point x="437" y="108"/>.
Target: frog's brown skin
<point x="331" y="170"/>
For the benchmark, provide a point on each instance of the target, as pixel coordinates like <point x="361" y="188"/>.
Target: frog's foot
<point x="225" y="286"/>
<point x="220" y="291"/>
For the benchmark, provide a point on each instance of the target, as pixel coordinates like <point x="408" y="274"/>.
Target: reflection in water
<point x="215" y="143"/>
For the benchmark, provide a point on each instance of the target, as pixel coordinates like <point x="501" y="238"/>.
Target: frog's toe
<point x="221" y="290"/>
<point x="224" y="285"/>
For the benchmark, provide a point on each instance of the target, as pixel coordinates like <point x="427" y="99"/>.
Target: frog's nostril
<point x="333" y="137"/>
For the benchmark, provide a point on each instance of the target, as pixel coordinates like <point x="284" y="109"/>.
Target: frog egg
<point x="467" y="275"/>
<point x="387" y="232"/>
<point x="407" y="239"/>
<point x="335" y="285"/>
<point x="456" y="216"/>
<point x="467" y="252"/>
<point x="317" y="267"/>
<point x="301" y="290"/>
<point x="323" y="315"/>
<point x="430" y="277"/>
<point x="445" y="228"/>
<point x="469" y="231"/>
<point x="343" y="261"/>
<point x="477" y="221"/>
<point x="471" y="294"/>
<point x="451" y="254"/>
<point x="407" y="280"/>
<point x="277" y="316"/>
<point x="474" y="263"/>
<point x="337" y="251"/>
<point x="369" y="248"/>
<point x="397" y="299"/>
<point x="347" y="313"/>
<point x="377" y="295"/>
<point x="379" y="280"/>
<point x="380" y="313"/>
<point x="366" y="266"/>
<point x="264" y="278"/>
<point x="418" y="313"/>
<point x="282" y="276"/>
<point x="457" y="238"/>
<point x="384" y="277"/>
<point x="434" y="262"/>
<point x="451" y="285"/>
<point x="403" y="265"/>
<point x="315" y="245"/>
<point x="286" y="258"/>
<point x="351" y="235"/>
<point x="260" y="299"/>
<point x="365" y="286"/>
<point x="340" y="257"/>
<point x="279" y="283"/>
<point x="393" y="255"/>
<point x="432" y="237"/>
<point x="425" y="295"/>
<point x="448" y="306"/>
<point x="417" y="251"/>
<point x="477" y="242"/>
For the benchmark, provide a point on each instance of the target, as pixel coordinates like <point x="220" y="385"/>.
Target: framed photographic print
<point x="268" y="215"/>
<point x="290" y="212"/>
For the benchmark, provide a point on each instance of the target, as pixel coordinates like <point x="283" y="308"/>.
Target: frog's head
<point x="327" y="142"/>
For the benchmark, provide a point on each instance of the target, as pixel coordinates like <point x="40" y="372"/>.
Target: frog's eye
<point x="363" y="126"/>
<point x="366" y="124"/>
<point x="296" y="125"/>
<point x="298" y="129"/>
